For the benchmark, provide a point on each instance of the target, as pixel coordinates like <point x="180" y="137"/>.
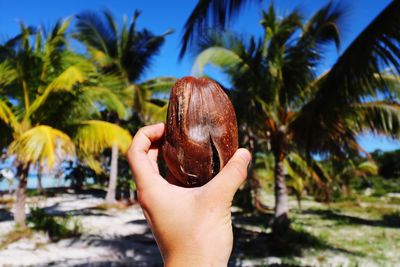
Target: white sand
<point x="111" y="238"/>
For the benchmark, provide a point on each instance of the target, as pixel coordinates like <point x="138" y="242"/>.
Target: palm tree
<point x="25" y="86"/>
<point x="126" y="52"/>
<point x="283" y="100"/>
<point x="32" y="79"/>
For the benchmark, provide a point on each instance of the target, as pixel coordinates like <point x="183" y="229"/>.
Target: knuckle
<point x="143" y="131"/>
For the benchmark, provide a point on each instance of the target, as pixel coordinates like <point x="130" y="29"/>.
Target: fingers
<point x="141" y="164"/>
<point x="232" y="175"/>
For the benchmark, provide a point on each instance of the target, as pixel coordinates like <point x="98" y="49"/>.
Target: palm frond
<point x="209" y="14"/>
<point x="379" y="117"/>
<point x="101" y="58"/>
<point x="152" y="113"/>
<point x="106" y="98"/>
<point x="52" y="48"/>
<point x="139" y="52"/>
<point x="302" y="57"/>
<point x="94" y="31"/>
<point x="7" y="73"/>
<point x="7" y="115"/>
<point x="41" y="143"/>
<point x="64" y="82"/>
<point x="352" y="79"/>
<point x="217" y="56"/>
<point x="128" y="51"/>
<point x="278" y="31"/>
<point x="91" y="161"/>
<point x="368" y="167"/>
<point x="306" y="169"/>
<point x="375" y="48"/>
<point x="324" y="26"/>
<point x="159" y="85"/>
<point x="94" y="136"/>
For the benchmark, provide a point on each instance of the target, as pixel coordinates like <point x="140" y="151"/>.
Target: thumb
<point x="229" y="179"/>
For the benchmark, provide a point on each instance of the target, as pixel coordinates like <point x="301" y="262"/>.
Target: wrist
<point x="198" y="251"/>
<point x="198" y="260"/>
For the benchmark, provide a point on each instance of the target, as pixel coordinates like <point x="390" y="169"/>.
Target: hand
<point x="192" y="226"/>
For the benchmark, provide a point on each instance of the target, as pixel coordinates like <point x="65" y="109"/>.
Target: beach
<point x="120" y="236"/>
<point x="113" y="237"/>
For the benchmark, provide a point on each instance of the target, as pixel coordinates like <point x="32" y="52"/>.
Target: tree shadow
<point x="55" y="210"/>
<point x="131" y="250"/>
<point x="254" y="241"/>
<point x="139" y="222"/>
<point x="388" y="220"/>
<point x="5" y="215"/>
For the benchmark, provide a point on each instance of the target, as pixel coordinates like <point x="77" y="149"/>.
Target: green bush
<point x="380" y="185"/>
<point x="56" y="227"/>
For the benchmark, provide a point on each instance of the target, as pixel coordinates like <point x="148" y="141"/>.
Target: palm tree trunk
<point x="112" y="184"/>
<point x="281" y="198"/>
<point x="19" y="215"/>
<point x="39" y="177"/>
<point x="279" y="145"/>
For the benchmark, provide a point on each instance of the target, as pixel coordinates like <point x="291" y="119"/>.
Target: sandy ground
<point x="111" y="238"/>
<point x="121" y="237"/>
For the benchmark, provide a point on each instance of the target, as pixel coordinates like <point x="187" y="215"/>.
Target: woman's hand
<point x="192" y="226"/>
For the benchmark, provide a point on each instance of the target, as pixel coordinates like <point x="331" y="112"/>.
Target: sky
<point x="162" y="15"/>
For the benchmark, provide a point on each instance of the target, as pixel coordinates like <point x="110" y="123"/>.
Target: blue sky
<point x="159" y="16"/>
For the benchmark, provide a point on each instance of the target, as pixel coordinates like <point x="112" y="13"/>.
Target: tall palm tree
<point x="126" y="52"/>
<point x="281" y="97"/>
<point x="31" y="78"/>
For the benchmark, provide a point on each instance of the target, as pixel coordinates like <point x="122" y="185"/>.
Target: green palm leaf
<point x="41" y="143"/>
<point x="209" y="14"/>
<point x="152" y="113"/>
<point x="94" y="136"/>
<point x="128" y="51"/>
<point x="380" y="117"/>
<point x="7" y="73"/>
<point x="159" y="85"/>
<point x="217" y="56"/>
<point x="7" y="115"/>
<point x="352" y="79"/>
<point x="64" y="82"/>
<point x="368" y="167"/>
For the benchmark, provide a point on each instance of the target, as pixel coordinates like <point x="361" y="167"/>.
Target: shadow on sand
<point x="253" y="241"/>
<point x="389" y="220"/>
<point x="130" y="250"/>
<point x="5" y="215"/>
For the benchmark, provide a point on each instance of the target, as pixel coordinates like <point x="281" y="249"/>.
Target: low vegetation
<point x="342" y="233"/>
<point x="56" y="227"/>
<point x="14" y="235"/>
